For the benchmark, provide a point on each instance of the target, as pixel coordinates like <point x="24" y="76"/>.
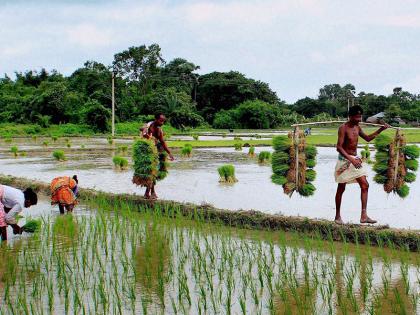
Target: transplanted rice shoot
<point x="264" y="156"/>
<point x="227" y="174"/>
<point x="195" y="137"/>
<point x="238" y="146"/>
<point x="292" y="163"/>
<point x="31" y="226"/>
<point x="365" y="153"/>
<point x="394" y="159"/>
<point x="251" y="151"/>
<point x="186" y="151"/>
<point x="14" y="150"/>
<point x="59" y="155"/>
<point x="120" y="162"/>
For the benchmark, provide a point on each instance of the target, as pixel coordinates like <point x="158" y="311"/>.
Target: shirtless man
<point x="349" y="168"/>
<point x="153" y="130"/>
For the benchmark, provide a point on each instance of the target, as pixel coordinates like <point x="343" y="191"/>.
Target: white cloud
<point x="89" y="36"/>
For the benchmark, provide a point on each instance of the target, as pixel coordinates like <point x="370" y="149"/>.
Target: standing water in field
<point x="196" y="180"/>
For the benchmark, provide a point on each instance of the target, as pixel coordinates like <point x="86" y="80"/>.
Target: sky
<point x="296" y="46"/>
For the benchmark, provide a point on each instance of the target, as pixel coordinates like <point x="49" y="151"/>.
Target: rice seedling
<point x="59" y="155"/>
<point x="195" y="137"/>
<point x="227" y="174"/>
<point x="186" y="150"/>
<point x="45" y="143"/>
<point x="238" y="146"/>
<point x="394" y="159"/>
<point x="120" y="162"/>
<point x="82" y="146"/>
<point x="68" y="144"/>
<point x="292" y="163"/>
<point x="23" y="153"/>
<point x="237" y="139"/>
<point x="15" y="151"/>
<point x="264" y="156"/>
<point x="123" y="149"/>
<point x="110" y="140"/>
<point x="31" y="226"/>
<point x="251" y="151"/>
<point x="54" y="138"/>
<point x="365" y="153"/>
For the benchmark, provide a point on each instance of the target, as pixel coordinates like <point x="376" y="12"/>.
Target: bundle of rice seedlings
<point x="251" y="151"/>
<point x="186" y="150"/>
<point x="238" y="146"/>
<point x="54" y="138"/>
<point x="366" y="154"/>
<point x="59" y="155"/>
<point x="110" y="140"/>
<point x="393" y="159"/>
<point x="145" y="163"/>
<point x="290" y="152"/>
<point x="122" y="149"/>
<point x="264" y="156"/>
<point x="120" y="162"/>
<point x="68" y="145"/>
<point x="45" y="143"/>
<point x="227" y="174"/>
<point x="195" y="137"/>
<point x="14" y="151"/>
<point x="32" y="226"/>
<point x="23" y="153"/>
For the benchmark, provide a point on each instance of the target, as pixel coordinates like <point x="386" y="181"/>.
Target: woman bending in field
<point x="64" y="192"/>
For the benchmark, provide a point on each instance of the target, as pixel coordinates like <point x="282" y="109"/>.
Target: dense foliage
<point x="145" y="84"/>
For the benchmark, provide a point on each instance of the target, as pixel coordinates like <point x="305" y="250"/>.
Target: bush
<point x="59" y="155"/>
<point x="97" y="116"/>
<point x="227" y="174"/>
<point x="120" y="162"/>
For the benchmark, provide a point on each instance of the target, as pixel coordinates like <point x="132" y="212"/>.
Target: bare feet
<point x="146" y="196"/>
<point x="153" y="196"/>
<point x="338" y="221"/>
<point x="367" y="220"/>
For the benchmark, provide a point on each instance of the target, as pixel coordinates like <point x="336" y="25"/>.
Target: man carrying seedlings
<point x="12" y="202"/>
<point x="350" y="168"/>
<point x="153" y="131"/>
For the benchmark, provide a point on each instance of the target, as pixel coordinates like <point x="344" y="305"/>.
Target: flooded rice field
<point x="196" y="180"/>
<point x="114" y="258"/>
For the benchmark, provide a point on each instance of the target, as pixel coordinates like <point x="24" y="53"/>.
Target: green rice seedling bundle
<point x="68" y="145"/>
<point x="110" y="140"/>
<point x="251" y="151"/>
<point x="45" y="143"/>
<point x="292" y="163"/>
<point x="122" y="149"/>
<point x="59" y="155"/>
<point x="23" y="153"/>
<point x="14" y="150"/>
<point x="186" y="151"/>
<point x="264" y="156"/>
<point x="366" y="154"/>
<point x="120" y="162"/>
<point x="149" y="164"/>
<point x="195" y="137"/>
<point x="238" y="146"/>
<point x="32" y="226"/>
<point x="227" y="174"/>
<point x="54" y="138"/>
<point x="395" y="163"/>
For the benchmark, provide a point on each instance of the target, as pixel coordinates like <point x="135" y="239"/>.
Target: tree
<point x="225" y="90"/>
<point x="139" y="64"/>
<point x="97" y="116"/>
<point x="179" y="73"/>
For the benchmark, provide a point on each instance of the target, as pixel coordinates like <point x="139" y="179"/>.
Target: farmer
<point x="12" y="202"/>
<point x="153" y="130"/>
<point x="64" y="192"/>
<point x="350" y="168"/>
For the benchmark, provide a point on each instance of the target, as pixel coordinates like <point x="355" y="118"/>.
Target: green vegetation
<point x="139" y="259"/>
<point x="31" y="226"/>
<point x="14" y="150"/>
<point x="251" y="151"/>
<point x="366" y="154"/>
<point x="238" y="146"/>
<point x="187" y="150"/>
<point x="394" y="160"/>
<point x="45" y="143"/>
<point x="227" y="174"/>
<point x="264" y="156"/>
<point x="292" y="164"/>
<point x="120" y="162"/>
<point x="59" y="155"/>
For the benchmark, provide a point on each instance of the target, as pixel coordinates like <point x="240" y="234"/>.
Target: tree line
<point x="145" y="84"/>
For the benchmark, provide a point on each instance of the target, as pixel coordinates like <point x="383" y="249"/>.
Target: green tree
<point x="97" y="116"/>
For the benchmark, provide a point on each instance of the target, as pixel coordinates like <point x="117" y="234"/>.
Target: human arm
<point x="12" y="213"/>
<point x="340" y="148"/>
<point x="3" y="232"/>
<point x="372" y="136"/>
<point x="164" y="145"/>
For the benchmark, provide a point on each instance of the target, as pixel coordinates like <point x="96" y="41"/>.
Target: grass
<point x="139" y="259"/>
<point x="59" y="155"/>
<point x="120" y="162"/>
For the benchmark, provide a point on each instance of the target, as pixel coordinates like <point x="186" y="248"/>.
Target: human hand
<point x="356" y="161"/>
<point x="171" y="157"/>
<point x="385" y="126"/>
<point x="17" y="229"/>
